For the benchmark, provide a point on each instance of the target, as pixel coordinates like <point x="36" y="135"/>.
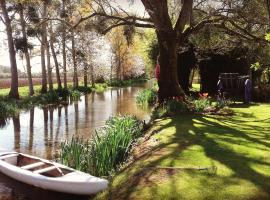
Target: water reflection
<point x="39" y="132"/>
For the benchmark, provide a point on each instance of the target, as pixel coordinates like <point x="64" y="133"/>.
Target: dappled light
<point x="238" y="151"/>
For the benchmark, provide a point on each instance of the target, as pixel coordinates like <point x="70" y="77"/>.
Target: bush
<point x="74" y="95"/>
<point x="8" y="107"/>
<point x="201" y="104"/>
<point x="146" y="97"/>
<point x="128" y="82"/>
<point x="84" y="89"/>
<point x="100" y="87"/>
<point x="108" y="148"/>
<point x="171" y="107"/>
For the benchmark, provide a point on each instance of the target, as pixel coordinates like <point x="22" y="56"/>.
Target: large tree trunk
<point x="44" y="88"/>
<point x="168" y="38"/>
<point x="52" y="39"/>
<point x="75" y="70"/>
<point x="12" y="55"/>
<point x="26" y="52"/>
<point x="168" y="81"/>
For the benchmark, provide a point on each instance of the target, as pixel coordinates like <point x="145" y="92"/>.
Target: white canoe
<point x="49" y="175"/>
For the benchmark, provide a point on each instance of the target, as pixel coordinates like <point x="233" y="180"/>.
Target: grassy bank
<point x="201" y="157"/>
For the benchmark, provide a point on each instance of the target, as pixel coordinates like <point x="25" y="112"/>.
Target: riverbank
<point x="10" y="107"/>
<point x="200" y="157"/>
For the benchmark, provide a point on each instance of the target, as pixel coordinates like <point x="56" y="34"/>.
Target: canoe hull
<point x="75" y="182"/>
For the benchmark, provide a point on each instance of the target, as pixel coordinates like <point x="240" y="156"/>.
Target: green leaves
<point x="267" y="37"/>
<point x="107" y="150"/>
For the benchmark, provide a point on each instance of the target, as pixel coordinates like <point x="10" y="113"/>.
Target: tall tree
<point x="52" y="41"/>
<point x="12" y="54"/>
<point x="74" y="59"/>
<point x="44" y="87"/>
<point x="26" y="51"/>
<point x="170" y="35"/>
<point x="48" y="57"/>
<point x="64" y="54"/>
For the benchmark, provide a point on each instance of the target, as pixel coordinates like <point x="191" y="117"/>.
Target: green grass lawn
<point x="24" y="91"/>
<point x="235" y="150"/>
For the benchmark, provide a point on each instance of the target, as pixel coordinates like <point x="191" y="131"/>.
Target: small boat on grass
<point x="49" y="175"/>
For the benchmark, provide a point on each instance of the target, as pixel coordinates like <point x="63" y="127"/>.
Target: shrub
<point x="146" y="97"/>
<point x="8" y="107"/>
<point x="171" y="107"/>
<point x="202" y="103"/>
<point x="74" y="95"/>
<point x="108" y="148"/>
<point x="84" y="89"/>
<point x="100" y="87"/>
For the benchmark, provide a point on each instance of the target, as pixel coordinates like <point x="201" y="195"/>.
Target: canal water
<point x="40" y="132"/>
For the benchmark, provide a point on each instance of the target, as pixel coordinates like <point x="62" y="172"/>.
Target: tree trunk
<point x="92" y="75"/>
<point x="64" y="57"/>
<point x="85" y="78"/>
<point x="26" y="52"/>
<point x="12" y="55"/>
<point x="49" y="68"/>
<point x="75" y="70"/>
<point x="168" y="81"/>
<point x="64" y="47"/>
<point x="52" y="39"/>
<point x="44" y="88"/>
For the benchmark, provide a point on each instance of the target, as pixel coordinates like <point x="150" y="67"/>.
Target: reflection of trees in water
<point x="101" y="96"/>
<point x="46" y="133"/>
<point x="58" y="123"/>
<point x="76" y="112"/>
<point x="31" y="128"/>
<point x="17" y="131"/>
<point x="51" y="124"/>
<point x="66" y="120"/>
<point x="86" y="107"/>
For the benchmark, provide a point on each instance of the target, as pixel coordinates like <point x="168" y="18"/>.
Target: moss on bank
<point x="200" y="157"/>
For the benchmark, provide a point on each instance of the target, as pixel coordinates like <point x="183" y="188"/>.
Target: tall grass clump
<point x="146" y="97"/>
<point x="108" y="148"/>
<point x="73" y="153"/>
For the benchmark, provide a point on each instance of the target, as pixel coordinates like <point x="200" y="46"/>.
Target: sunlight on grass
<point x="238" y="147"/>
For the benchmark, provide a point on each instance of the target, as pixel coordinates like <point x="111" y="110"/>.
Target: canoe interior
<point x="45" y="168"/>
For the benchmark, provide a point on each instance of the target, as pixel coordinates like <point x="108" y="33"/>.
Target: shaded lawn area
<point x="235" y="149"/>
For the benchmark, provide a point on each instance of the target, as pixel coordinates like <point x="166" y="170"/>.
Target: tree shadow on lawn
<point x="216" y="139"/>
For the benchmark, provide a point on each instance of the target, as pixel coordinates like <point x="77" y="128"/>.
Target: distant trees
<point x="63" y="28"/>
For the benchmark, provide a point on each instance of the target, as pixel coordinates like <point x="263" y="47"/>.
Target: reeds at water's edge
<point x="108" y="148"/>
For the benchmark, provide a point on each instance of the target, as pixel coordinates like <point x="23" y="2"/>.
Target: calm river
<point x="40" y="131"/>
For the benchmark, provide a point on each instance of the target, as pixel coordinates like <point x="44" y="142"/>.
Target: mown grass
<point x="237" y="147"/>
<point x="108" y="148"/>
